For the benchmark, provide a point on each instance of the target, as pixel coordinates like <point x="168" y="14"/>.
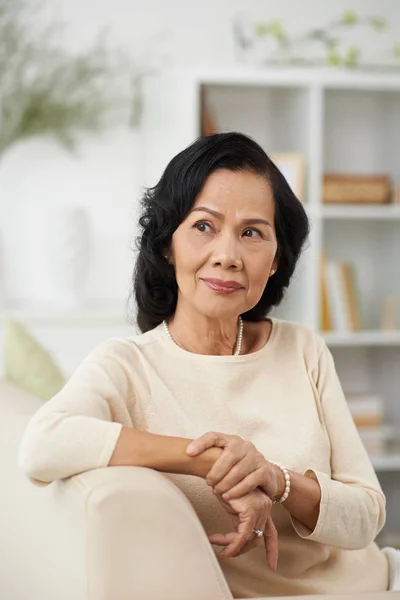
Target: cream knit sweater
<point x="285" y="398"/>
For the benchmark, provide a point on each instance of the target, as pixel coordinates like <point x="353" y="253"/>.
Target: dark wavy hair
<point x="166" y="205"/>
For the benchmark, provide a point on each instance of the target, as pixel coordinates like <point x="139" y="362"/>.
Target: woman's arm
<point x="161" y="452"/>
<point x="87" y="426"/>
<point x="352" y="508"/>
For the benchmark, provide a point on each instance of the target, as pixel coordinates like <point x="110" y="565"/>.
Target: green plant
<point x="290" y="49"/>
<point x="46" y="90"/>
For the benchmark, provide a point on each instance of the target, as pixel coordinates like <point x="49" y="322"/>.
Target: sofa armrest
<point x="118" y="533"/>
<point x="143" y="538"/>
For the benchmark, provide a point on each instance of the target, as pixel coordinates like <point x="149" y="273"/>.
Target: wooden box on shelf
<point x="356" y="189"/>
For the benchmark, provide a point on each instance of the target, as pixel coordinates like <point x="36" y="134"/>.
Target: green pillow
<point x="27" y="364"/>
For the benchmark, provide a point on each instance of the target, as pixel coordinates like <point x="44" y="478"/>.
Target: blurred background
<point x="95" y="100"/>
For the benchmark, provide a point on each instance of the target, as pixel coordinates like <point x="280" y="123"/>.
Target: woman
<point x="221" y="235"/>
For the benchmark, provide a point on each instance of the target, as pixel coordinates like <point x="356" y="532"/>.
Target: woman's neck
<point x="203" y="335"/>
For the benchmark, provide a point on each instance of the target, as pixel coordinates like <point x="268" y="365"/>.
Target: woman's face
<point x="224" y="250"/>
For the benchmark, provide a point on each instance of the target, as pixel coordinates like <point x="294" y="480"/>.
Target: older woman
<point x="221" y="235"/>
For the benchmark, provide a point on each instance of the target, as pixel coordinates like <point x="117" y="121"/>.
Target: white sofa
<point x="120" y="533"/>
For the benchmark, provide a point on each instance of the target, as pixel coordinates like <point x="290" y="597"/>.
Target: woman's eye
<point x="202" y="226"/>
<point x="252" y="232"/>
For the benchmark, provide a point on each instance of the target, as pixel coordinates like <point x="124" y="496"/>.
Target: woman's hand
<point x="248" y="514"/>
<point x="240" y="469"/>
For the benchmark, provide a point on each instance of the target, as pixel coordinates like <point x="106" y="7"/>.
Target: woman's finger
<point x="234" y="548"/>
<point x="222" y="466"/>
<point x="222" y="539"/>
<point x="255" y="540"/>
<point x="245" y="486"/>
<point x="245" y="533"/>
<point x="250" y="545"/>
<point x="232" y="543"/>
<point x="206" y="441"/>
<point x="271" y="543"/>
<point x="234" y="476"/>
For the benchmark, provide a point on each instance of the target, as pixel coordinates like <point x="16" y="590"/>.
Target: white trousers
<point x="393" y="557"/>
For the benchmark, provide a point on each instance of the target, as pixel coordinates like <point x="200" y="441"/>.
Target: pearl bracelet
<point x="287" y="484"/>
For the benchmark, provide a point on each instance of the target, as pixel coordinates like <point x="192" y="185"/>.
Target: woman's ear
<point x="275" y="265"/>
<point x="166" y="252"/>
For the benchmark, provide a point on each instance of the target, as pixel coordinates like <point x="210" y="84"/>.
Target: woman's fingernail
<point x="225" y="496"/>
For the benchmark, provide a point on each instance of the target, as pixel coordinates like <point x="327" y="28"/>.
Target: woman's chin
<point x="220" y="312"/>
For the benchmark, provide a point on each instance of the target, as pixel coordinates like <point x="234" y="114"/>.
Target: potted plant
<point x="46" y="90"/>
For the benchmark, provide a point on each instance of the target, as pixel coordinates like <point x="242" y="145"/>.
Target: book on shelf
<point x="367" y="410"/>
<point x="339" y="296"/>
<point x="376" y="439"/>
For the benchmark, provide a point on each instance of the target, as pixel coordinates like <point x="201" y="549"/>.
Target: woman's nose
<point x="226" y="252"/>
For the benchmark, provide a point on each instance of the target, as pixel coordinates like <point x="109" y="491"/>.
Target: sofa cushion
<point x="27" y="364"/>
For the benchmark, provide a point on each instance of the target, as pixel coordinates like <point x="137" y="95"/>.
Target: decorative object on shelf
<point x="340" y="306"/>
<point x="48" y="91"/>
<point x="390" y="314"/>
<point x="69" y="247"/>
<point x="208" y="123"/>
<point x="270" y="43"/>
<point x="396" y="194"/>
<point x="356" y="189"/>
<point x="291" y="166"/>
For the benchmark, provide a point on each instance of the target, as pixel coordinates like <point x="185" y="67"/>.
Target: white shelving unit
<point x="347" y="122"/>
<point x="363" y="213"/>
<point x="363" y="339"/>
<point x="386" y="462"/>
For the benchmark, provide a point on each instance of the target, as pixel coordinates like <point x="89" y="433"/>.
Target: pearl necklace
<point x="238" y="341"/>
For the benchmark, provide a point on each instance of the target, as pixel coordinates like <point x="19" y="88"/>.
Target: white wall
<point x="106" y="175"/>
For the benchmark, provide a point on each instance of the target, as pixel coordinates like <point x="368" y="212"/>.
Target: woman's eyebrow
<point x="256" y="220"/>
<point x="220" y="216"/>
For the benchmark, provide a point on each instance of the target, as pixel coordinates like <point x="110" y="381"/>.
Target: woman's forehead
<point x="228" y="190"/>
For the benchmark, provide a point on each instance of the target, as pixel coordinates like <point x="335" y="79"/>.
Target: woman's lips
<point x="222" y="287"/>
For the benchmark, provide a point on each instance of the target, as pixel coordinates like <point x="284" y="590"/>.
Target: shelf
<point x="380" y="213"/>
<point x="386" y="462"/>
<point x="362" y="338"/>
<point x="370" y="79"/>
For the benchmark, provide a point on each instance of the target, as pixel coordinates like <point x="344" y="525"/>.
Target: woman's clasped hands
<point x="245" y="483"/>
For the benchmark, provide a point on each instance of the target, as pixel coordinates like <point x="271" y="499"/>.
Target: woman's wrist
<point x="203" y="463"/>
<point x="280" y="482"/>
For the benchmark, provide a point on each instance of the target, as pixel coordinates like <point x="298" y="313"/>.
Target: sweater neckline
<point x="173" y="348"/>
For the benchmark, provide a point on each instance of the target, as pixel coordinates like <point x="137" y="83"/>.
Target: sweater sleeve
<point x="352" y="509"/>
<point x="77" y="430"/>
